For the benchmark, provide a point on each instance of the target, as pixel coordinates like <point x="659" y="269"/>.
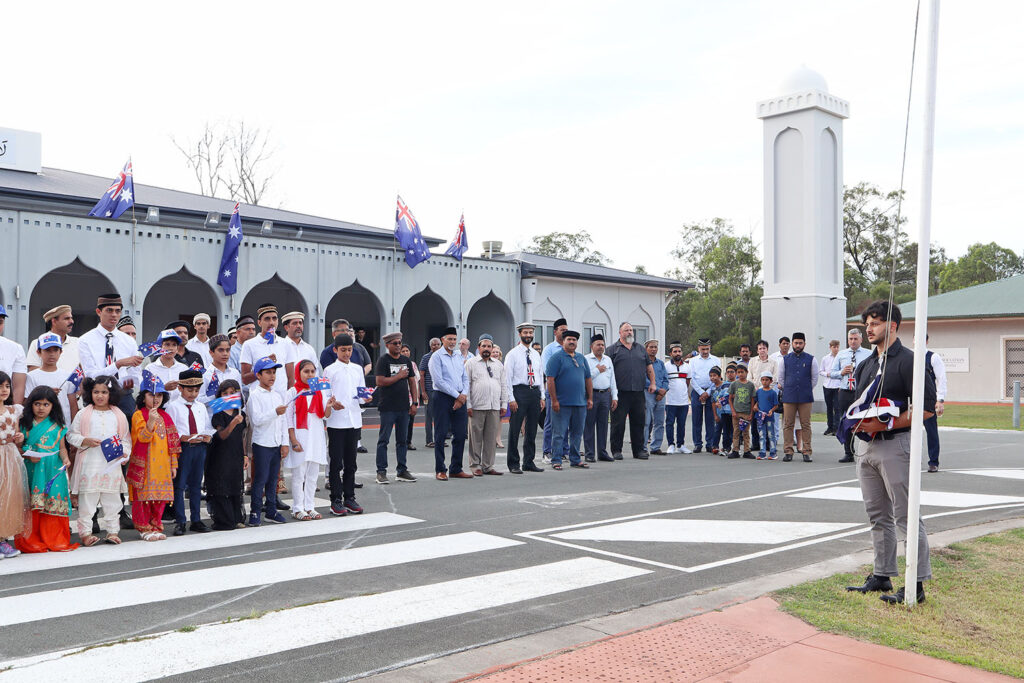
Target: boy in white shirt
<point x="269" y="440"/>
<point x="49" y="374"/>
<point x="167" y="368"/>
<point x="343" y="426"/>
<point x="192" y="420"/>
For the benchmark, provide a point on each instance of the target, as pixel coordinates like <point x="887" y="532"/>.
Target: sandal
<point x="556" y="467"/>
<point x="159" y="536"/>
<point x="313" y="514"/>
<point x="90" y="540"/>
<point x="150" y="536"/>
<point x="300" y="515"/>
<point x="113" y="538"/>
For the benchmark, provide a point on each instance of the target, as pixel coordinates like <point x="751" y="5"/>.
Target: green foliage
<point x="726" y="303"/>
<point x="573" y="246"/>
<point x="641" y="269"/>
<point x="982" y="263"/>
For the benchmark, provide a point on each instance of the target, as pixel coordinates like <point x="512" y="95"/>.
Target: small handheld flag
<point x="49" y="484"/>
<point x="112" y="448"/>
<point x="365" y="393"/>
<point x="119" y="197"/>
<point x="270" y="335"/>
<point x="459" y="246"/>
<point x="227" y="276"/>
<point x="213" y="385"/>
<point x="219" y="405"/>
<point x="196" y="366"/>
<point x="151" y="383"/>
<point x="743" y="425"/>
<point x="75" y="379"/>
<point x="149" y="348"/>
<point x="407" y="232"/>
<point x="319" y="384"/>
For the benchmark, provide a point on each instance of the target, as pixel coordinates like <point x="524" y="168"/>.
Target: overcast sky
<point x="626" y="119"/>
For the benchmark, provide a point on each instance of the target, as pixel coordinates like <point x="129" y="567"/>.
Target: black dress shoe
<point x="606" y="458"/>
<point x="899" y="596"/>
<point x="846" y="458"/>
<point x="590" y="458"/>
<point x="873" y="583"/>
<point x="617" y="456"/>
<point x="788" y="457"/>
<point x="199" y="527"/>
<point x="807" y="458"/>
<point x="640" y="456"/>
<point x="657" y="451"/>
<point x="532" y="468"/>
<point x="124" y="520"/>
<point x="697" y="449"/>
<point x="358" y="485"/>
<point x="410" y="447"/>
<point x="282" y="506"/>
<point x="361" y="449"/>
<point x="515" y="470"/>
<point x="829" y="432"/>
<point x="179" y="529"/>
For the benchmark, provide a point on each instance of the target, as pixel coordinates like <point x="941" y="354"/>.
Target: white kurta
<point x="313" y="439"/>
<point x="95" y="474"/>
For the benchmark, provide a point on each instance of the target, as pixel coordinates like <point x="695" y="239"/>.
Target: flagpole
<point x="921" y="309"/>
<point x="462" y="259"/>
<point x="135" y="224"/>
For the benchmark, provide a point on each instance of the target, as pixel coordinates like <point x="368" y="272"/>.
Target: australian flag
<point x="459" y="246"/>
<point x="227" y="276"/>
<point x="270" y="335"/>
<point x="151" y="383"/>
<point x="319" y="384"/>
<point x="75" y="379"/>
<point x="219" y="405"/>
<point x="866" y="406"/>
<point x="213" y="385"/>
<point x="112" y="448"/>
<point x="119" y="197"/>
<point x="365" y="393"/>
<point x="150" y="348"/>
<point x="407" y="232"/>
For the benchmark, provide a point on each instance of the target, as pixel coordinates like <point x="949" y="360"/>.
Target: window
<point x="641" y="333"/>
<point x="589" y="331"/>
<point x="543" y="333"/>
<point x="1013" y="364"/>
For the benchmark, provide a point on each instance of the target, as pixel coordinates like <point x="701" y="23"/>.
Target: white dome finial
<point x="802" y="80"/>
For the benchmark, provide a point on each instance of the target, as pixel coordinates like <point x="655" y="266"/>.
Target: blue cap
<point x="49" y="341"/>
<point x="169" y="334"/>
<point x="265" y="363"/>
<point x="3" y="311"/>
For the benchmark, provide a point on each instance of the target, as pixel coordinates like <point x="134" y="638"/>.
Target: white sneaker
<point x="671" y="450"/>
<point x="545" y="458"/>
<point x="684" y="449"/>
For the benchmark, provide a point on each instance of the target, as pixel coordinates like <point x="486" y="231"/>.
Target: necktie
<point x="110" y="348"/>
<point x="529" y="369"/>
<point x="192" y="427"/>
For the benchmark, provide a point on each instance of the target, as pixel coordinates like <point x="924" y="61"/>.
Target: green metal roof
<point x="999" y="299"/>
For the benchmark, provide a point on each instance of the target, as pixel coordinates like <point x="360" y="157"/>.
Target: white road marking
<point x="276" y="632"/>
<point x="704" y="531"/>
<point x="1002" y="474"/>
<point x="577" y="501"/>
<point x="269" y="533"/>
<point x="28" y="607"/>
<point x="946" y="499"/>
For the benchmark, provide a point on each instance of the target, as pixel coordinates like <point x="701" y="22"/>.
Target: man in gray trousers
<point x="883" y="467"/>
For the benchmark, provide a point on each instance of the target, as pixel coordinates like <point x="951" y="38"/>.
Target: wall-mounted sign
<point x="21" y="150"/>
<point x="956" y="360"/>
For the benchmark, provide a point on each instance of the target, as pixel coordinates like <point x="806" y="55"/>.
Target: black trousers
<point x="226" y="511"/>
<point x="341" y="463"/>
<point x="633" y="405"/>
<point x="843" y="403"/>
<point x="528" y="411"/>
<point x="831" y="405"/>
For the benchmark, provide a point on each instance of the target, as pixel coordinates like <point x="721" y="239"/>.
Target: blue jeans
<point x="548" y="438"/>
<point x="723" y="433"/>
<point x="266" y="465"/>
<point x="767" y="429"/>
<point x="931" y="428"/>
<point x="399" y="421"/>
<point x="445" y="420"/>
<point x="703" y="415"/>
<point x="567" y="424"/>
<point x="675" y="425"/>
<point x="191" y="465"/>
<point x="654" y="422"/>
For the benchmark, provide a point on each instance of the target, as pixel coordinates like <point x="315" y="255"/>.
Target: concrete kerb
<point x="473" y="663"/>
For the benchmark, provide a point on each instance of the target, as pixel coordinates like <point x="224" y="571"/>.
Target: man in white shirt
<point x="701" y="408"/>
<point x="276" y="348"/>
<point x="192" y="420"/>
<point x="677" y="400"/>
<point x="294" y="325"/>
<point x="486" y="402"/>
<point x="464" y="349"/>
<point x="12" y="361"/>
<point x="343" y="425"/>
<point x="935" y="366"/>
<point x="525" y="375"/>
<point x="778" y="356"/>
<point x="60" y="321"/>
<point x="831" y="387"/>
<point x="200" y="343"/>
<point x="106" y="351"/>
<point x="606" y="399"/>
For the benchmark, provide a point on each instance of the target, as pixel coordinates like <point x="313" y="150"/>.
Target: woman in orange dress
<point x="153" y="464"/>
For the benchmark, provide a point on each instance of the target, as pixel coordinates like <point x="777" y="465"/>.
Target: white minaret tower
<point x="803" y="204"/>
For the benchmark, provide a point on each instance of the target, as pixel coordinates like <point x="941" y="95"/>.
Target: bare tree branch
<point x="232" y="161"/>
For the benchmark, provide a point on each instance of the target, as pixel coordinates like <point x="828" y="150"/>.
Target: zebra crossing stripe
<point x="133" y="550"/>
<point x="947" y="499"/>
<point x="19" y="609"/>
<point x="301" y="627"/>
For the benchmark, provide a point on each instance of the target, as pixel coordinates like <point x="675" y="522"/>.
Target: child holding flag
<point x="46" y="461"/>
<point x="94" y="480"/>
<point x="225" y="461"/>
<point x="306" y="433"/>
<point x="154" y="459"/>
<point x="218" y="370"/>
<point x="50" y="349"/>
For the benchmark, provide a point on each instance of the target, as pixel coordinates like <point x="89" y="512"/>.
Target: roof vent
<point x="491" y="249"/>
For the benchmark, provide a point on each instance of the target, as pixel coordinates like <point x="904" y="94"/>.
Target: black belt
<point x="601" y="391"/>
<point x="526" y="386"/>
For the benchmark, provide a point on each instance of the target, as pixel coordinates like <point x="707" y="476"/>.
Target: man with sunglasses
<point x="486" y="400"/>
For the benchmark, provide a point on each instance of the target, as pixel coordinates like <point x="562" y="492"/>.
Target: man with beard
<point x="798" y="375"/>
<point x="487" y="399"/>
<point x="634" y="376"/>
<point x="846" y="364"/>
<point x="61" y="322"/>
<point x="525" y="376"/>
<point x="702" y="409"/>
<point x="426" y="390"/>
<point x="677" y="400"/>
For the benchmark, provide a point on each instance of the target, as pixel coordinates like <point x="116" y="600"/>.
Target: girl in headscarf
<point x="305" y="420"/>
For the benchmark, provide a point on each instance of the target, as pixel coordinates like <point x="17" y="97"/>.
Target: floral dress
<point x="15" y="515"/>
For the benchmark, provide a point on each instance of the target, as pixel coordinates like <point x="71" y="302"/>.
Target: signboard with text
<point x="956" y="360"/>
<point x="21" y="150"/>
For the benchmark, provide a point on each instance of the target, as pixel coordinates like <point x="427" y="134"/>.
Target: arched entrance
<point x="177" y="297"/>
<point x="493" y="316"/>
<point x="425" y="315"/>
<point x="76" y="285"/>
<point x="359" y="306"/>
<point x="278" y="292"/>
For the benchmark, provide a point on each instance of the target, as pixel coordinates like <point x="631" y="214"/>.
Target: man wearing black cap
<point x="606" y="399"/>
<point x="571" y="394"/>
<point x="105" y="350"/>
<point x="192" y="420"/>
<point x="451" y="385"/>
<point x="798" y="375"/>
<point x="559" y="327"/>
<point x="634" y="376"/>
<point x="525" y="375"/>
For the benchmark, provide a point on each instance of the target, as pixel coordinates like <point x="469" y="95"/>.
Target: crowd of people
<point x="127" y="432"/>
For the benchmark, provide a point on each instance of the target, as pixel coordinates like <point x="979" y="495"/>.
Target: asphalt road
<point x="438" y="567"/>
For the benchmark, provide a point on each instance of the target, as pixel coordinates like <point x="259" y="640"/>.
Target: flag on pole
<point x="119" y="197"/>
<point x="213" y="385"/>
<point x="219" y="405"/>
<point x="149" y="348"/>
<point x="53" y="479"/>
<point x="459" y="246"/>
<point x="364" y="393"/>
<point x="75" y="379"/>
<point x="151" y="383"/>
<point x="197" y="366"/>
<point x="407" y="232"/>
<point x="112" y="448"/>
<point x="227" y="276"/>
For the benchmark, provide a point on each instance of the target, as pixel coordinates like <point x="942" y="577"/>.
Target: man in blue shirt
<point x="451" y="384"/>
<point x="570" y="393"/>
<point x="654" y="422"/>
<point x="845" y="365"/>
<point x="559" y="327"/>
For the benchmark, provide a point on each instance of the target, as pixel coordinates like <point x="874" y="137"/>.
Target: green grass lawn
<point x="971" y="615"/>
<point x="972" y="416"/>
